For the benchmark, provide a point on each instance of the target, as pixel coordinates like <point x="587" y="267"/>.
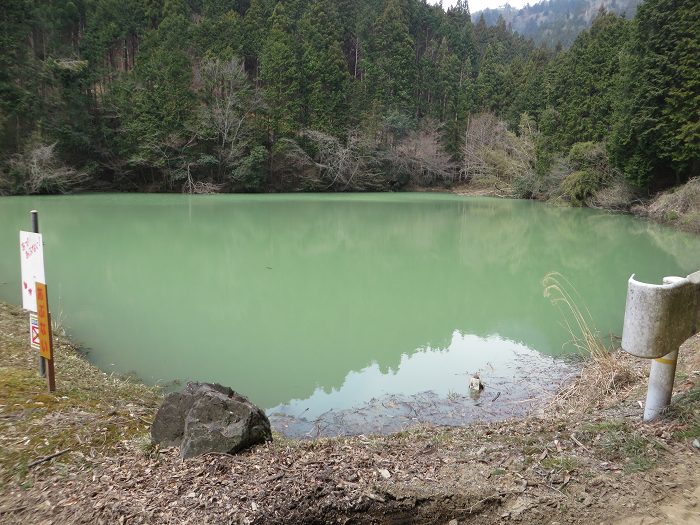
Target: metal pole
<point x="661" y="376"/>
<point x="35" y="229"/>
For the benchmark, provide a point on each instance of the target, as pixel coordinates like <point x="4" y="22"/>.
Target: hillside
<point x="553" y="21"/>
<point x="324" y="95"/>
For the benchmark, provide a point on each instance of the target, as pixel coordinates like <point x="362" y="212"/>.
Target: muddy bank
<point x="585" y="458"/>
<point x="520" y="390"/>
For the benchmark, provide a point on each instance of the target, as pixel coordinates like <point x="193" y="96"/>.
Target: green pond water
<point x="355" y="306"/>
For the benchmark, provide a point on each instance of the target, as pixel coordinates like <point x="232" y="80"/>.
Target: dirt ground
<point x="584" y="457"/>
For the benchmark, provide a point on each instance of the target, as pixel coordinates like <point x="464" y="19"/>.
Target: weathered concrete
<point x="658" y="319"/>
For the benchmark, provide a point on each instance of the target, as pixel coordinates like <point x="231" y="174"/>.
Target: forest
<point x="555" y="22"/>
<point x="208" y="96"/>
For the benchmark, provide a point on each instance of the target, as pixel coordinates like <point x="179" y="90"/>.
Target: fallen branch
<point x="573" y="437"/>
<point x="47" y="458"/>
<point x="273" y="478"/>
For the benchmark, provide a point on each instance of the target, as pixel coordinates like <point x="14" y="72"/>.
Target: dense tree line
<point x="266" y="95"/>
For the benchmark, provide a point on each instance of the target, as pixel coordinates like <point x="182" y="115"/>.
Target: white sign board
<point x="32" y="259"/>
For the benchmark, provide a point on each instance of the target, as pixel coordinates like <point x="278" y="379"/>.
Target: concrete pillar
<point x="658" y="319"/>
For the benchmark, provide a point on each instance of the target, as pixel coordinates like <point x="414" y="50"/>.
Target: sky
<point x="478" y="5"/>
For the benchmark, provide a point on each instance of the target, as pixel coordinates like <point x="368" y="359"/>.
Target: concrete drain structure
<point x="658" y="319"/>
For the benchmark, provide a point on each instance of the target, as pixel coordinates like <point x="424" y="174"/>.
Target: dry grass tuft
<point x="609" y="373"/>
<point x="680" y="206"/>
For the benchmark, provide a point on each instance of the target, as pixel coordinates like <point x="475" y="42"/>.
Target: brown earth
<point x="584" y="458"/>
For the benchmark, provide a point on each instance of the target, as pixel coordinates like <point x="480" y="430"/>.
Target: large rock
<point x="209" y="418"/>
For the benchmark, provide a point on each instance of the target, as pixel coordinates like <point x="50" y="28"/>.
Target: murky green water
<point x="317" y="303"/>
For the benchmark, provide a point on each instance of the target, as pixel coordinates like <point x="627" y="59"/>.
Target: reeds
<point x="608" y="371"/>
<point x="579" y="323"/>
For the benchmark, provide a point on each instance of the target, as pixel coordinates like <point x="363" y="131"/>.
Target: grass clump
<point x="608" y="372"/>
<point x="685" y="410"/>
<point x="89" y="414"/>
<point x="580" y="186"/>
<point x="617" y="441"/>
<point x="561" y="464"/>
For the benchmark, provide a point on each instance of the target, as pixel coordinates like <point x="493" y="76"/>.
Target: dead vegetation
<point x="39" y="170"/>
<point x="322" y="162"/>
<point x="679" y="207"/>
<point x="609" y="372"/>
<point x="562" y="464"/>
<point x="493" y="155"/>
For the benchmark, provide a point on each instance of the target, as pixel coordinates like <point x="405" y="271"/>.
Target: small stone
<point x="384" y="473"/>
<point x="696" y="443"/>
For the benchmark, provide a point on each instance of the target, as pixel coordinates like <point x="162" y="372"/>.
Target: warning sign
<point x="34" y="332"/>
<point x="31" y="251"/>
<point x="42" y="302"/>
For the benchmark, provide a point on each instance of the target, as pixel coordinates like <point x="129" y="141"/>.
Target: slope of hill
<point x="553" y="21"/>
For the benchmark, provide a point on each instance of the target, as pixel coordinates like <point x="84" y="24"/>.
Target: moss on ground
<point x="89" y="413"/>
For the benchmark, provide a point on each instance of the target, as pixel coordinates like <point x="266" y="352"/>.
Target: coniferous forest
<point x="338" y="95"/>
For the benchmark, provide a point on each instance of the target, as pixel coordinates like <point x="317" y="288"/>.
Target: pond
<point x="336" y="313"/>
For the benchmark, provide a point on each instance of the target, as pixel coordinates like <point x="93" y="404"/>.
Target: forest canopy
<point x="337" y="95"/>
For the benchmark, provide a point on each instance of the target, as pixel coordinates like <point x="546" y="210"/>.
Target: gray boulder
<point x="209" y="418"/>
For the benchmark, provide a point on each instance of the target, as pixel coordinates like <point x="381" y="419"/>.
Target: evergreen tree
<point x="155" y="104"/>
<point x="391" y="68"/>
<point x="582" y="80"/>
<point x="256" y="24"/>
<point x="16" y="67"/>
<point x="324" y="69"/>
<point x="280" y="72"/>
<point x="492" y="86"/>
<point x="220" y="36"/>
<point x="656" y="139"/>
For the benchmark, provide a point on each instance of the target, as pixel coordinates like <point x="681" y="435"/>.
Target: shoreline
<point x="585" y="458"/>
<point x="677" y="208"/>
<point x="662" y="208"/>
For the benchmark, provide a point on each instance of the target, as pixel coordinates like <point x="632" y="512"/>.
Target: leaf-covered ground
<point x="584" y="460"/>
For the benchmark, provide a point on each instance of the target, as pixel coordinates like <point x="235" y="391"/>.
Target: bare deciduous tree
<point x="422" y="155"/>
<point x="42" y="172"/>
<point x="229" y="102"/>
<point x="336" y="165"/>
<point x="490" y="150"/>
